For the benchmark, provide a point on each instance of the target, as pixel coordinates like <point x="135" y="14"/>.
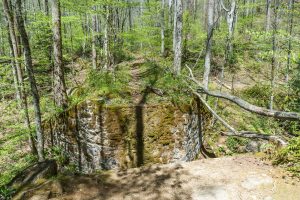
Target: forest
<point x="99" y="85"/>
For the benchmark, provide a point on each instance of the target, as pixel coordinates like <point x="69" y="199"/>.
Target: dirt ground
<point x="228" y="178"/>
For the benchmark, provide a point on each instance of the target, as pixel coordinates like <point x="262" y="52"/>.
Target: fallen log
<point x="293" y="116"/>
<point x="253" y="135"/>
<point x="245" y="134"/>
<point x="252" y="108"/>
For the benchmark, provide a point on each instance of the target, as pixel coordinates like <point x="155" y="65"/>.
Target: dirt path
<point x="135" y="84"/>
<point x="230" y="178"/>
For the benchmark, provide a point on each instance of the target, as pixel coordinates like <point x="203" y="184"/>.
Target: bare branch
<point x="293" y="116"/>
<point x="223" y="6"/>
<point x="252" y="108"/>
<point x="253" y="135"/>
<point x="245" y="134"/>
<point x="215" y="114"/>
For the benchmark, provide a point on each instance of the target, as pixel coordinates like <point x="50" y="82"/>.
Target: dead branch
<point x="215" y="114"/>
<point x="223" y="84"/>
<point x="252" y="108"/>
<point x="293" y="116"/>
<point x="253" y="135"/>
<point x="245" y="134"/>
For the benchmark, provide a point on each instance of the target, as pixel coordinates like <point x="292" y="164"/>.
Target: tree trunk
<point x="162" y="28"/>
<point x="130" y="17"/>
<point x="46" y="8"/>
<point x="141" y="18"/>
<point x="231" y="19"/>
<point x="290" y="27"/>
<point x="46" y="11"/>
<point x="210" y="28"/>
<point x="60" y="95"/>
<point x="178" y="37"/>
<point x="274" y="52"/>
<point x="170" y="14"/>
<point x="94" y="39"/>
<point x="268" y="14"/>
<point x="174" y="24"/>
<point x="2" y="49"/>
<point x="106" y="42"/>
<point x="17" y="71"/>
<point x="33" y="86"/>
<point x="195" y="6"/>
<point x="231" y="16"/>
<point x="204" y="14"/>
<point x="247" y="7"/>
<point x="13" y="43"/>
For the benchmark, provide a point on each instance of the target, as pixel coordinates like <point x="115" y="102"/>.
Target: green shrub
<point x="6" y="193"/>
<point x="290" y="157"/>
<point x="58" y="154"/>
<point x="258" y="94"/>
<point x="233" y="143"/>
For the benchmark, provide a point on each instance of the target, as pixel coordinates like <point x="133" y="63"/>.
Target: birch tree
<point x="162" y="28"/>
<point x="210" y="29"/>
<point x="231" y="17"/>
<point x="94" y="38"/>
<point x="178" y="36"/>
<point x="274" y="52"/>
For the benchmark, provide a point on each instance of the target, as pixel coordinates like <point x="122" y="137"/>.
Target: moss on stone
<point x="162" y="125"/>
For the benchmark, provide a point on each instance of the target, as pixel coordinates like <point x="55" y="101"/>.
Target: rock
<point x="56" y="188"/>
<point x="253" y="146"/>
<point x="211" y="193"/>
<point x="254" y="182"/>
<point x="45" y="196"/>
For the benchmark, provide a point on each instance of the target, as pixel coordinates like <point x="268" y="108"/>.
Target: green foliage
<point x="58" y="154"/>
<point x="234" y="143"/>
<point x="290" y="156"/>
<point x="6" y="193"/>
<point x="158" y="75"/>
<point x="259" y="94"/>
<point x="42" y="37"/>
<point x="13" y="166"/>
<point x="14" y="153"/>
<point x="108" y="84"/>
<point x="295" y="86"/>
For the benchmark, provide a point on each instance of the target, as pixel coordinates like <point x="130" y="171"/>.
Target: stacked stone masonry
<point x="95" y="136"/>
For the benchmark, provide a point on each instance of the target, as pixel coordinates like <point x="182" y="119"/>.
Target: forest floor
<point x="229" y="178"/>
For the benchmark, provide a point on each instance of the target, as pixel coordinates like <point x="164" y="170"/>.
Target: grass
<point x="14" y="152"/>
<point x="13" y="158"/>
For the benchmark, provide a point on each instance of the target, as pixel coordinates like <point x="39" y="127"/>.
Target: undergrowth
<point x="289" y="157"/>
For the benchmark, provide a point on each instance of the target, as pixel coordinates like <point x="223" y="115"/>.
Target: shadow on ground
<point x="147" y="182"/>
